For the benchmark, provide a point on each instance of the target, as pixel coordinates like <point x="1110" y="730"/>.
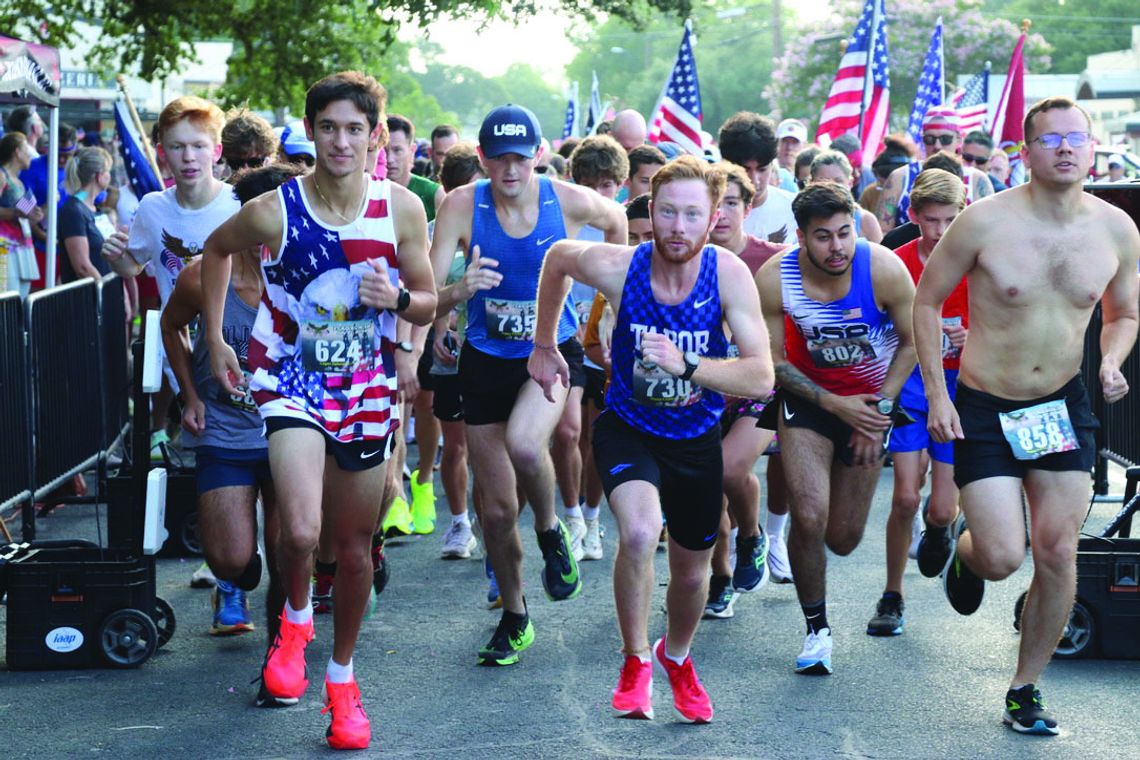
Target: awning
<point x="29" y="72"/>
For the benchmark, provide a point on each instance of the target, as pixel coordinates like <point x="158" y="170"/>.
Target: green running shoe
<point x="513" y="634"/>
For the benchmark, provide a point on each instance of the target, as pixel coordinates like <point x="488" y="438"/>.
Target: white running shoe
<point x="815" y="659"/>
<point x="778" y="560"/>
<point x="916" y="528"/>
<point x="592" y="543"/>
<point x="458" y="542"/>
<point x="578" y="530"/>
<point x="203" y="577"/>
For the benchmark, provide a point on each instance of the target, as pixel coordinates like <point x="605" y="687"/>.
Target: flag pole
<point x="868" y="75"/>
<point x="144" y="138"/>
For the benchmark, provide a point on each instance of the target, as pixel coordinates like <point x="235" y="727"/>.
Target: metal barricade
<point x="113" y="337"/>
<point x="15" y="422"/>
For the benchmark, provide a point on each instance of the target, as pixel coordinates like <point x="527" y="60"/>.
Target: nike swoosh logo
<point x="788" y="414"/>
<point x="699" y="304"/>
<point x="370" y="454"/>
<point x="710" y="536"/>
<point x="545" y="240"/>
<point x="619" y="468"/>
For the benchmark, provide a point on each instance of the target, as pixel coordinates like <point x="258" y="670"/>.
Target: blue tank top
<point x="648" y="398"/>
<point x="500" y="321"/>
<point x="912" y="170"/>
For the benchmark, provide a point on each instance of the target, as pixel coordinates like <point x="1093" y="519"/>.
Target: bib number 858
<point x="1041" y="437"/>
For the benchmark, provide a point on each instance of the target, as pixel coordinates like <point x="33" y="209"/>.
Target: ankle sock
<point x="591" y="513"/>
<point x="815" y="615"/>
<point x="774" y="526"/>
<point x="570" y="512"/>
<point x="462" y="519"/>
<point x="300" y="617"/>
<point x="336" y="673"/>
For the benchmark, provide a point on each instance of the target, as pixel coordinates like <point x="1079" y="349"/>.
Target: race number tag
<point x="1038" y="430"/>
<point x="949" y="350"/>
<point x="337" y="348"/>
<point x="840" y="352"/>
<point x="243" y="401"/>
<point x="510" y="320"/>
<point x="653" y="386"/>
<point x="582" y="308"/>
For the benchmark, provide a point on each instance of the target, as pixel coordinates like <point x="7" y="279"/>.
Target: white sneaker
<point x="458" y="542"/>
<point x="916" y="528"/>
<point x="815" y="659"/>
<point x="778" y="561"/>
<point x="203" y="577"/>
<point x="577" y="528"/>
<point x="592" y="543"/>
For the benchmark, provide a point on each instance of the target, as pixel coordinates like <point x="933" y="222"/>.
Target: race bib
<point x="653" y="386"/>
<point x="337" y="348"/>
<point x="582" y="308"/>
<point x="840" y="352"/>
<point x="510" y="320"/>
<point x="949" y="350"/>
<point x="1038" y="430"/>
<point x="243" y="401"/>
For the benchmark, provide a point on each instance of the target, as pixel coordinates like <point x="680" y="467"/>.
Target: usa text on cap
<point x="510" y="129"/>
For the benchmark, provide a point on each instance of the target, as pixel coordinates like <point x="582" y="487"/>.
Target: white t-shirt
<point x="166" y="235"/>
<point x="773" y="221"/>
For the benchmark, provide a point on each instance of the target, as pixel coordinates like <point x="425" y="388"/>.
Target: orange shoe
<point x="284" y="670"/>
<point x="350" y="728"/>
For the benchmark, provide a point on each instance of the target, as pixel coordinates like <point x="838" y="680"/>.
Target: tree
<point x="1079" y="29"/>
<point x="804" y="74"/>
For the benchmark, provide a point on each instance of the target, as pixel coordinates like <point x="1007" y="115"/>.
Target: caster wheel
<point x="163" y="620"/>
<point x="128" y="638"/>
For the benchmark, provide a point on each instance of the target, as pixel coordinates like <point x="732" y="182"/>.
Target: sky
<point x="540" y="40"/>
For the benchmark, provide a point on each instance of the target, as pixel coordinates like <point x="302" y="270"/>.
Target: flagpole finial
<point x="1025" y="24"/>
<point x="843" y="46"/>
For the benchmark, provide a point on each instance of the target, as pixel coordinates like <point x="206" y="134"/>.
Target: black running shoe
<point x="513" y="634"/>
<point x="963" y="589"/>
<point x="933" y="550"/>
<point x="560" y="576"/>
<point x="265" y="699"/>
<point x="888" y="619"/>
<point x="751" y="572"/>
<point x="380" y="571"/>
<point x="1025" y="712"/>
<point x="721" y="598"/>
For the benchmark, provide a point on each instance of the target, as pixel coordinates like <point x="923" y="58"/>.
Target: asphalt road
<point x="934" y="692"/>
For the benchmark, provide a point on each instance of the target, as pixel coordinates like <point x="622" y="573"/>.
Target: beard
<point x="692" y="248"/>
<point x="820" y="265"/>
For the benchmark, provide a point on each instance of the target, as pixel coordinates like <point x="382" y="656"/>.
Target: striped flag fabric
<point x="594" y="113"/>
<point x="139" y="171"/>
<point x="570" y="125"/>
<point x="677" y="117"/>
<point x="973" y="101"/>
<point x="26" y="204"/>
<point x="931" y="85"/>
<point x="1008" y="130"/>
<point x="859" y="101"/>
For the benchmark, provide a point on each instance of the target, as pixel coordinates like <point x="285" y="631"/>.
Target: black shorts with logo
<point x="595" y="387"/>
<point x="490" y="385"/>
<point x="350" y="457"/>
<point x="985" y="453"/>
<point x="446" y="400"/>
<point x="797" y="412"/>
<point x="687" y="473"/>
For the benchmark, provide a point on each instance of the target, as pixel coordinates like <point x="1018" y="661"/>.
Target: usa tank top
<point x="644" y="395"/>
<point x="500" y="321"/>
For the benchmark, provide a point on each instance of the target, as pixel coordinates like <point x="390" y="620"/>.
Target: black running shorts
<point x="490" y="385"/>
<point x="595" y="387"/>
<point x="985" y="453"/>
<point x="687" y="473"/>
<point x="350" y="457"/>
<point x="446" y="400"/>
<point x="797" y="412"/>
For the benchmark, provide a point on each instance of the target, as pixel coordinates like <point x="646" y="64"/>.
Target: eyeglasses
<point x="946" y="140"/>
<point x="1052" y="140"/>
<point x="979" y="160"/>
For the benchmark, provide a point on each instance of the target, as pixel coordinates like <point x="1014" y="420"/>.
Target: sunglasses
<point x="946" y="140"/>
<point x="544" y="169"/>
<point x="1052" y="140"/>
<point x="237" y="164"/>
<point x="979" y="160"/>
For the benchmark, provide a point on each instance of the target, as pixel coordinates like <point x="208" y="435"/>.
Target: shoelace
<point x="343" y="695"/>
<point x="688" y="675"/>
<point x="629" y="674"/>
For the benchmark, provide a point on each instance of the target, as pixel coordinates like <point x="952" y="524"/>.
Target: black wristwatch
<point x="886" y="406"/>
<point x="404" y="300"/>
<point x="692" y="359"/>
<point x="405" y="345"/>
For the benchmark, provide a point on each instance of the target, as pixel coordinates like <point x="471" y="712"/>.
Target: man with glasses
<point x="1037" y="259"/>
<point x="940" y="134"/>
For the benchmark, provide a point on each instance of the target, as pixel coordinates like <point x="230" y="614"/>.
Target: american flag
<point x="859" y="101"/>
<point x="972" y="101"/>
<point x="138" y="168"/>
<point x="570" y="126"/>
<point x="677" y="117"/>
<point x="26" y="204"/>
<point x="931" y="85"/>
<point x="594" y="114"/>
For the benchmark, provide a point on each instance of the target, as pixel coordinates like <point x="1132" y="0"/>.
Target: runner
<point x="1038" y="257"/>
<point x="743" y="440"/>
<point x="838" y="315"/>
<point x="644" y="162"/>
<point x="226" y="432"/>
<point x="749" y="140"/>
<point x="506" y="223"/>
<point x="336" y="245"/>
<point x="936" y="199"/>
<point x="658" y="443"/>
<point x="833" y="166"/>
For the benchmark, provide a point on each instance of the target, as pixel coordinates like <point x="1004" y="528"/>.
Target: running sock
<point x="251" y="575"/>
<point x="338" y="673"/>
<point x="774" y="526"/>
<point x="815" y="614"/>
<point x="591" y="513"/>
<point x="462" y="519"/>
<point x="300" y="617"/>
<point x="377" y="540"/>
<point x="677" y="660"/>
<point x="892" y="595"/>
<point x="326" y="568"/>
<point x="572" y="512"/>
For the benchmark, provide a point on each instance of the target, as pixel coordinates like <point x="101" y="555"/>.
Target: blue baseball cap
<point x="294" y="142"/>
<point x="510" y="129"/>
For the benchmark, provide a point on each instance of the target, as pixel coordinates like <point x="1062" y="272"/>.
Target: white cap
<point x="1116" y="160"/>
<point x="792" y="128"/>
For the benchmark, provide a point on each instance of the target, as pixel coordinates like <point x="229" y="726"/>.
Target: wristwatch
<point x="886" y="406"/>
<point x="405" y="345"/>
<point x="404" y="299"/>
<point x="692" y="359"/>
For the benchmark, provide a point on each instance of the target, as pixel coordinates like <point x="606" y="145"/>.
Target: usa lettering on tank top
<point x="645" y="396"/>
<point x="500" y="321"/>
<point x="844" y="346"/>
<point x="316" y="352"/>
